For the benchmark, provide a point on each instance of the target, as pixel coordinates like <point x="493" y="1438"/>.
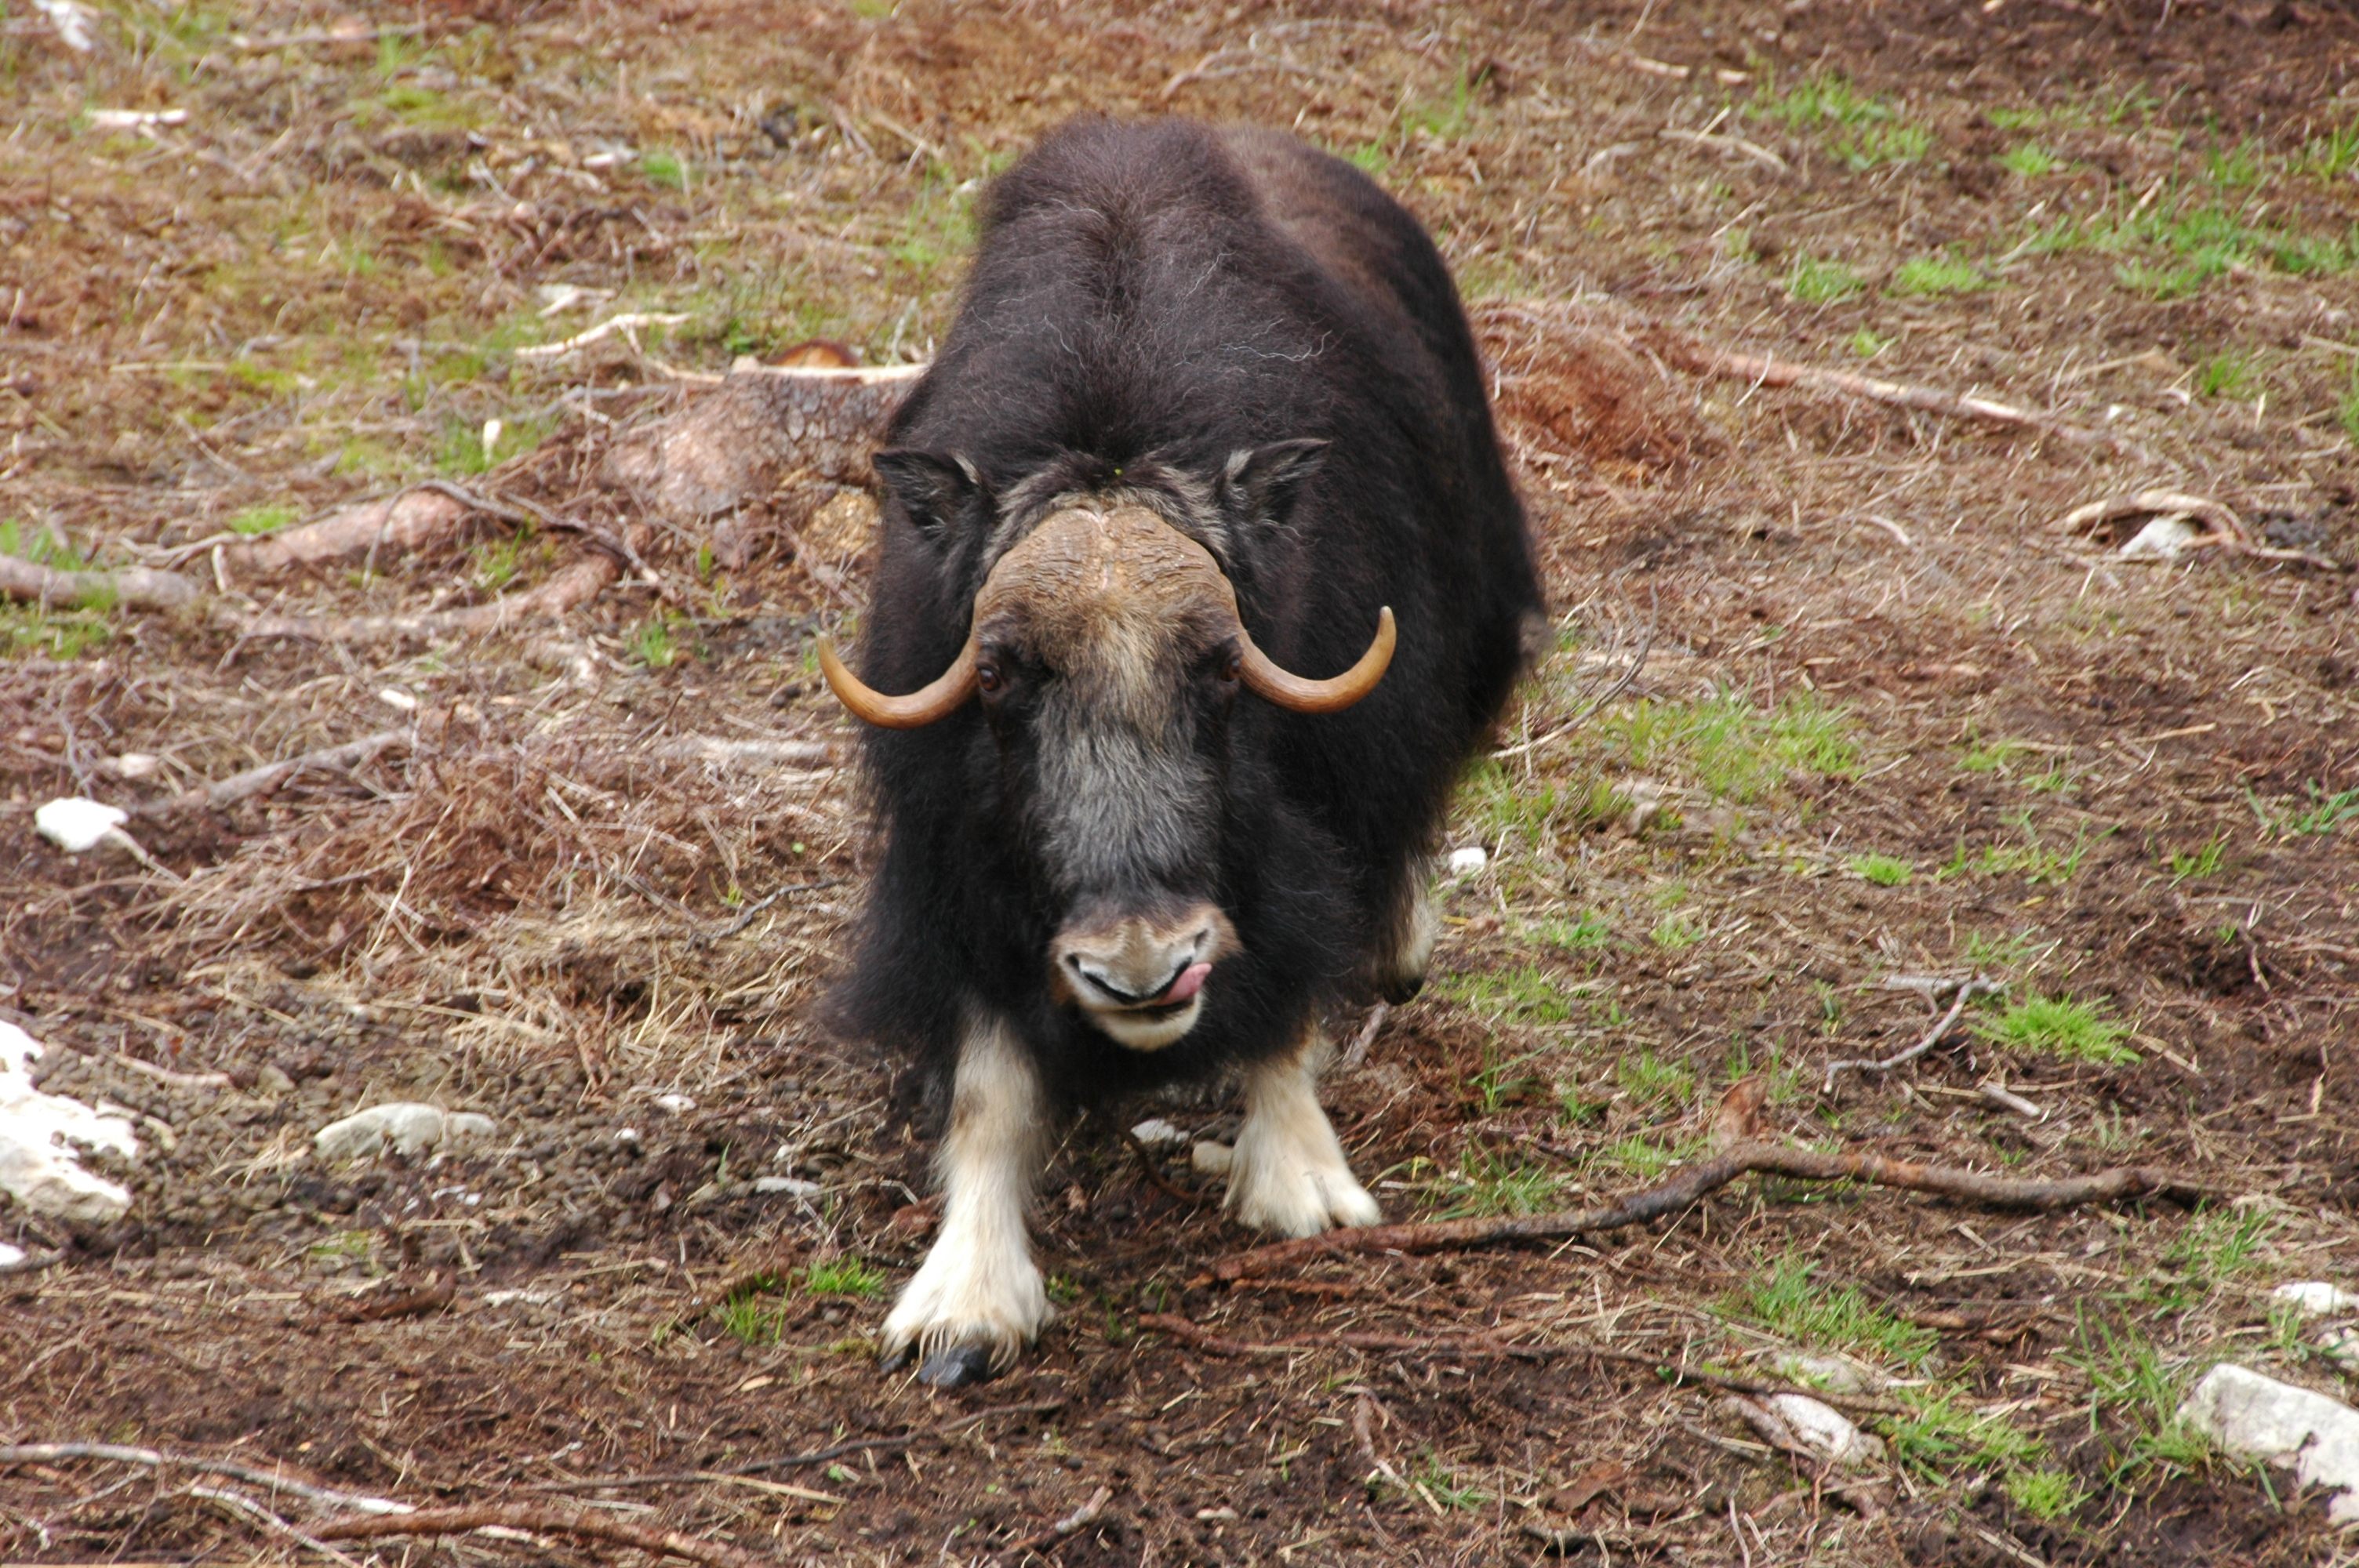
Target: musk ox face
<point x="1108" y="656"/>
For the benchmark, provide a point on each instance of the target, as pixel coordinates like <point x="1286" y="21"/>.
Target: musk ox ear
<point x="1259" y="484"/>
<point x="935" y="489"/>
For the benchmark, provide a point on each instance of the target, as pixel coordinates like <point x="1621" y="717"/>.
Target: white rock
<point x="75" y="824"/>
<point x="627" y="1135"/>
<point x="74" y="22"/>
<point x="1157" y="1133"/>
<point x="2314" y="1298"/>
<point x="410" y="1128"/>
<point x="678" y="1105"/>
<point x="2342" y="1347"/>
<point x="1467" y="861"/>
<point x="39" y="1166"/>
<point x="137" y="119"/>
<point x="135" y="764"/>
<point x="395" y="697"/>
<point x="1210" y="1159"/>
<point x="10" y="1256"/>
<point x="791" y="1186"/>
<point x="2164" y="539"/>
<point x="1826" y="1430"/>
<point x="2255" y="1417"/>
<point x="1832" y="1373"/>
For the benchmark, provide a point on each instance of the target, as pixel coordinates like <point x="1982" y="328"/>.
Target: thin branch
<point x="138" y="587"/>
<point x="796" y="1461"/>
<point x="269" y="776"/>
<point x="1967" y="990"/>
<point x="1691" y="1182"/>
<point x="566" y="590"/>
<point x="156" y="1459"/>
<point x="1073" y="1523"/>
<point x="581" y="1526"/>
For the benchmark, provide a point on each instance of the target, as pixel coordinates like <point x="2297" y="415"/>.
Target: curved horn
<point x="938" y="700"/>
<point x="1289" y="690"/>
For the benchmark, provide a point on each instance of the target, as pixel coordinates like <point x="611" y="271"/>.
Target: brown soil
<point x="2110" y="781"/>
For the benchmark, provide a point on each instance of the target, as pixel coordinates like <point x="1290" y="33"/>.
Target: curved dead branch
<point x="138" y="587"/>
<point x="1691" y="1182"/>
<point x="580" y="1525"/>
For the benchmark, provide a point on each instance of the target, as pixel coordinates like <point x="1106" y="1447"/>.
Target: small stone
<point x="1826" y="1430"/>
<point x="2164" y="539"/>
<point x="409" y="1126"/>
<point x="273" y="1080"/>
<point x="787" y="1186"/>
<point x="38" y="1137"/>
<point x="76" y="825"/>
<point x="1832" y="1373"/>
<point x="1210" y="1159"/>
<point x="1468" y="861"/>
<point x="678" y="1105"/>
<point x="1157" y="1133"/>
<point x="135" y="765"/>
<point x="2253" y="1417"/>
<point x="2315" y="1298"/>
<point x="2342" y="1347"/>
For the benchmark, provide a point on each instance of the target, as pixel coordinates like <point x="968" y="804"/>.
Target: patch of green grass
<point x="2057" y="1026"/>
<point x="1676" y="932"/>
<point x="1884" y="871"/>
<point x="2133" y="1398"/>
<point x="1792" y="1305"/>
<point x="29" y="630"/>
<point x="2346" y="408"/>
<point x="1494" y="1181"/>
<point x="42" y="546"/>
<point x="1501" y="804"/>
<point x="1524" y="994"/>
<point x="664" y="169"/>
<point x="842" y="1275"/>
<point x="2332" y="156"/>
<point x="1645" y="1159"/>
<point x="1500" y="1082"/>
<point x="1941" y="1432"/>
<point x="2221" y="1244"/>
<point x="2228" y="376"/>
<point x="1651" y="1080"/>
<point x="1867" y="342"/>
<point x="1991" y="756"/>
<point x="1938" y="276"/>
<point x="1736" y="747"/>
<point x="2000" y="954"/>
<point x="262" y="519"/>
<point x="746" y="1316"/>
<point x="2008" y="118"/>
<point x="2163" y="284"/>
<point x="1438" y="1481"/>
<point x="1862" y="130"/>
<point x="2323" y="813"/>
<point x="2030" y="159"/>
<point x="2046" y="1493"/>
<point x="495" y="562"/>
<point x="1587" y="933"/>
<point x="2234" y="169"/>
<point x="1815" y="282"/>
<point x="2032" y="859"/>
<point x="2203" y="863"/>
<point x="653" y="645"/>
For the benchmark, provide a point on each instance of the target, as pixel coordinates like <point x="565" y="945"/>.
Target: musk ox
<point x="1200" y="577"/>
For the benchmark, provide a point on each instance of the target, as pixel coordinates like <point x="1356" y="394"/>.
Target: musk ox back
<point x="1201" y="576"/>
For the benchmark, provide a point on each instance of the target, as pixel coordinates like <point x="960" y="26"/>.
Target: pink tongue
<point x="1190" y="981"/>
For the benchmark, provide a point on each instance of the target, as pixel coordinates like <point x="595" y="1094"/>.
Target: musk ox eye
<point x="988" y="679"/>
<point x="1232" y="668"/>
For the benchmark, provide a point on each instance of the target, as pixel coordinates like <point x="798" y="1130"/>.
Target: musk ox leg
<point x="1288" y="1174"/>
<point x="1409" y="946"/>
<point x="978" y="1298"/>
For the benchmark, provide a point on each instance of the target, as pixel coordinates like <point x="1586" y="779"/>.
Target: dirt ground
<point x="1840" y="699"/>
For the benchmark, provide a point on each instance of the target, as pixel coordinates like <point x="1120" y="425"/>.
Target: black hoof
<point x="893" y="1361"/>
<point x="957" y="1367"/>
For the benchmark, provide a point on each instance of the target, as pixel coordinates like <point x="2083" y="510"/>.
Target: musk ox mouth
<point x="1147" y="1023"/>
<point x="1140" y="978"/>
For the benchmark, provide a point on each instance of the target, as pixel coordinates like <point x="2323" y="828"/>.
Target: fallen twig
<point x="138" y="587"/>
<point x="2227" y="530"/>
<point x="795" y="1461"/>
<point x="628" y="324"/>
<point x="1762" y="370"/>
<point x="1814" y="1465"/>
<point x="581" y="1526"/>
<point x="1693" y="1182"/>
<point x="1752" y="150"/>
<point x="156" y="1459"/>
<point x="245" y="1510"/>
<point x="1967" y="990"/>
<point x="1073" y="1523"/>
<point x="399" y="523"/>
<point x="565" y="590"/>
<point x="269" y="776"/>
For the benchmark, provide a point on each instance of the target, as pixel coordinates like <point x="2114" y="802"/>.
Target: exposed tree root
<point x="1693" y="1182"/>
<point x="156" y="1459"/>
<point x="568" y="590"/>
<point x="2224" y="528"/>
<point x="758" y="428"/>
<point x="138" y="587"/>
<point x="271" y="775"/>
<point x="397" y="526"/>
<point x="581" y="1526"/>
